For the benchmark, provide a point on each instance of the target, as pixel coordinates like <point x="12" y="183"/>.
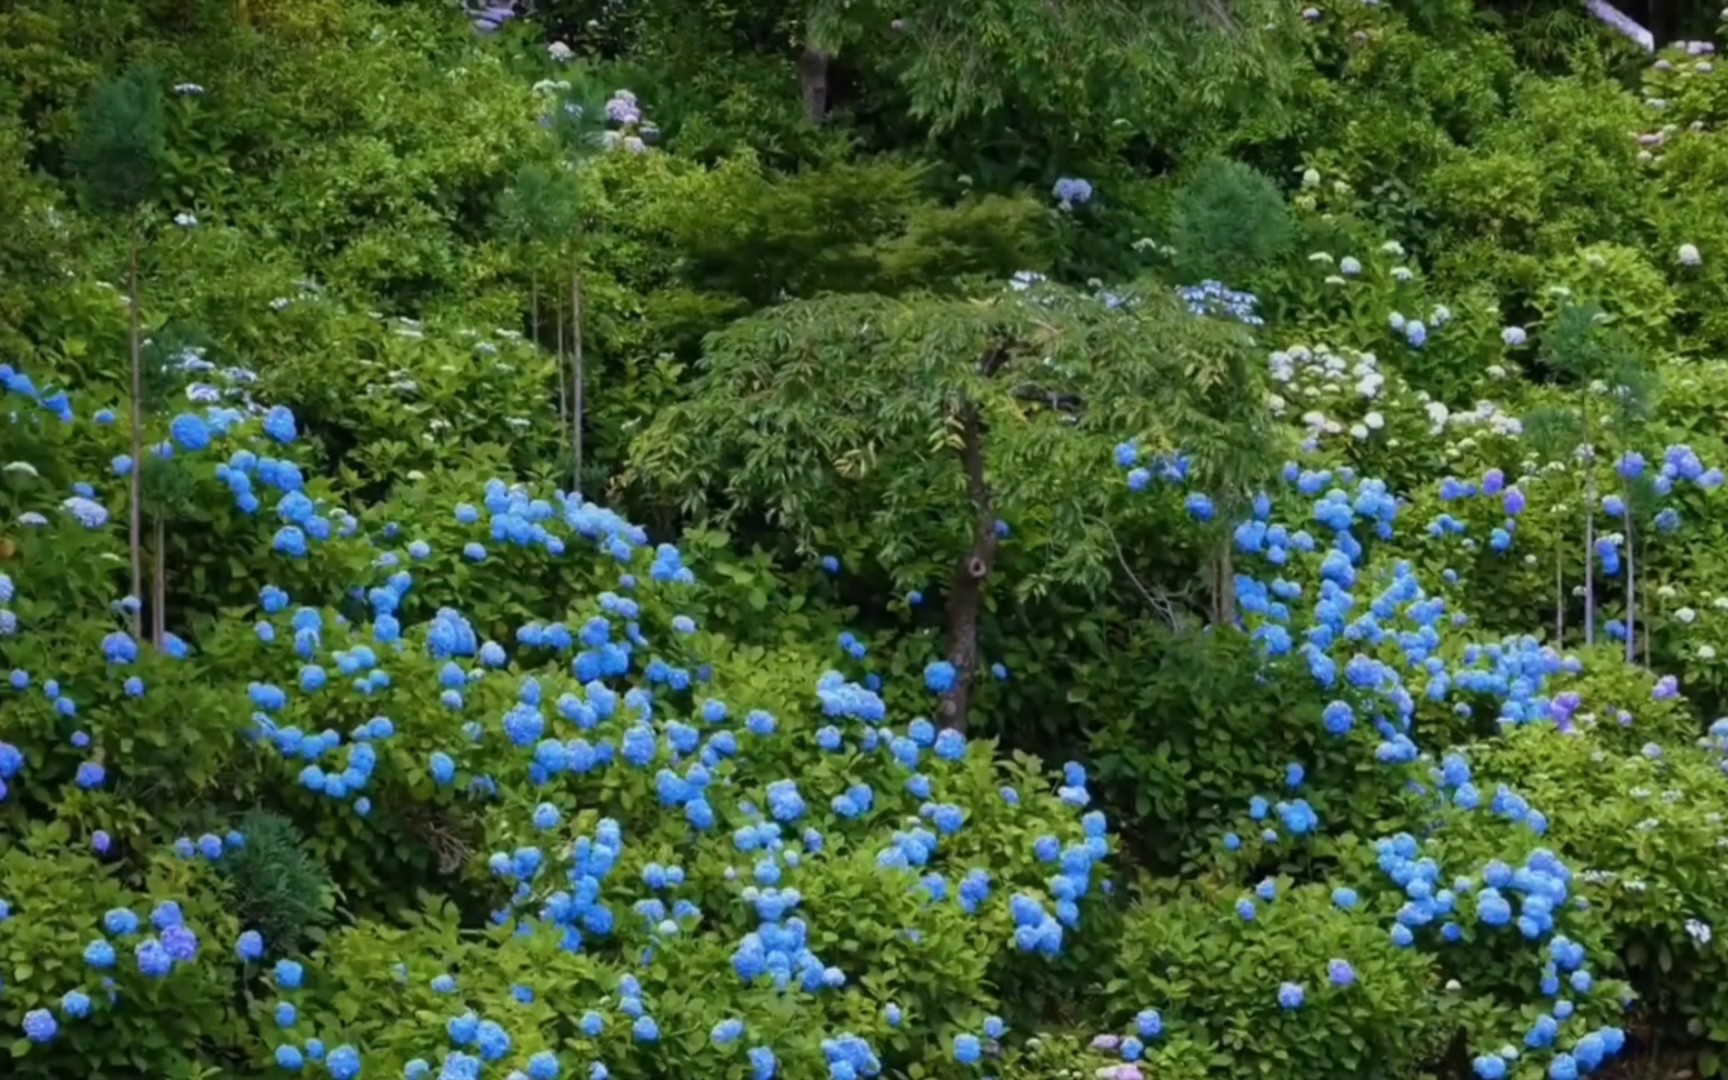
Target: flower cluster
<point x="1213" y="299"/>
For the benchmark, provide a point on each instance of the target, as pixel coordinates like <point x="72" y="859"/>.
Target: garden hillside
<point x="938" y="540"/>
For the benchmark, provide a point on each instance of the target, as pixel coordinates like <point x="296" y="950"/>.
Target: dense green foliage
<point x="1306" y="424"/>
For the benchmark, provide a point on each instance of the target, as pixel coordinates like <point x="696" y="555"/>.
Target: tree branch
<point x="1162" y="605"/>
<point x="1055" y="399"/>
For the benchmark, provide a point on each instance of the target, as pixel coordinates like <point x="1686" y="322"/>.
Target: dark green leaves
<point x="119" y="149"/>
<point x="540" y="205"/>
<point x="1227" y="222"/>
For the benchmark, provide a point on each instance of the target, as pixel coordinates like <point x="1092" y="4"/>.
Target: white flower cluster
<point x="1322" y="376"/>
<point x="1484" y="414"/>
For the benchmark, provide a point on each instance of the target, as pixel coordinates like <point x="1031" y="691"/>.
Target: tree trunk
<point x="1590" y="569"/>
<point x="159" y="587"/>
<point x="813" y="82"/>
<point x="1631" y="592"/>
<point x="1559" y="600"/>
<point x="966" y="593"/>
<point x="563" y="376"/>
<point x="1665" y="21"/>
<point x="576" y="400"/>
<point x="135" y="515"/>
<point x="1224" y="587"/>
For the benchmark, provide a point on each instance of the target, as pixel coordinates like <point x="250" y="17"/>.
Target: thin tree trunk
<point x="1224" y="589"/>
<point x="1559" y="600"/>
<point x="563" y="376"/>
<point x="135" y="523"/>
<point x="576" y="400"/>
<point x="1589" y="531"/>
<point x="813" y="82"/>
<point x="1631" y="592"/>
<point x="1590" y="570"/>
<point x="159" y="587"/>
<point x="534" y="307"/>
<point x="966" y="594"/>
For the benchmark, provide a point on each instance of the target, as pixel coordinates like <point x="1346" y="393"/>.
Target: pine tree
<point x="580" y="127"/>
<point x="1228" y="221"/>
<point x="118" y="156"/>
<point x="1632" y="393"/>
<point x="1585" y="349"/>
<point x="538" y="212"/>
<point x="1554" y="434"/>
<point x="169" y="491"/>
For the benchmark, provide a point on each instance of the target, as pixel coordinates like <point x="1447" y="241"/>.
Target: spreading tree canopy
<point x="918" y="432"/>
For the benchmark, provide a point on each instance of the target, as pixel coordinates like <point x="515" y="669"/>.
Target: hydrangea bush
<point x="437" y="769"/>
<point x="643" y="819"/>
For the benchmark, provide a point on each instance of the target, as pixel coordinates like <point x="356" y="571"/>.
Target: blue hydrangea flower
<point x="967" y="1049"/>
<point x="279" y="424"/>
<point x="190" y="432"/>
<point x="40" y="1026"/>
<point x="343" y="1063"/>
<point x="939" y="677"/>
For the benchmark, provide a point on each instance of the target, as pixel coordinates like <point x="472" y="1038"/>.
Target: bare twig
<point x="1161" y="605"/>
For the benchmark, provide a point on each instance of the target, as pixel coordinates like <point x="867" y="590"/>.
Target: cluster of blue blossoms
<point x="1213" y="298"/>
<point x="1376" y="635"/>
<point x="601" y="698"/>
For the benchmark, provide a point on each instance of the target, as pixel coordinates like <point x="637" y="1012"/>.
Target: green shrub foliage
<point x="847" y="540"/>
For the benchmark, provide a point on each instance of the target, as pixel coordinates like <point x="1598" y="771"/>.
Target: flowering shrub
<point x="805" y="805"/>
<point x="1358" y="558"/>
<point x="1281" y="980"/>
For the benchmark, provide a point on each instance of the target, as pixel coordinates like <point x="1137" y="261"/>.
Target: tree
<point x="1631" y="396"/>
<point x="118" y="155"/>
<point x="906" y="431"/>
<point x="168" y="492"/>
<point x="1093" y="61"/>
<point x="584" y="124"/>
<point x="1554" y="434"/>
<point x="538" y="213"/>
<point x="1081" y="75"/>
<point x="1593" y="356"/>
<point x="1227" y="221"/>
